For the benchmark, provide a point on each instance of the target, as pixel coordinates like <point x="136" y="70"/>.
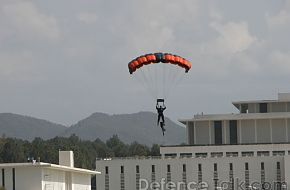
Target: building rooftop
<point x="235" y="116"/>
<point x="48" y="165"/>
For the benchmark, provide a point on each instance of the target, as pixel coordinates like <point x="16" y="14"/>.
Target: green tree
<point x="137" y="149"/>
<point x="155" y="150"/>
<point x="117" y="146"/>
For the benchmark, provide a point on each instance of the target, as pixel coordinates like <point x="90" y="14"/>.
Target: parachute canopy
<point x="154" y="58"/>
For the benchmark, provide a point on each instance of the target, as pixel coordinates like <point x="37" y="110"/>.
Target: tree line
<point x="14" y="150"/>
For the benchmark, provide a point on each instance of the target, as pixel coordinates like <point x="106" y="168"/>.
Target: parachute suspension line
<point x="149" y="81"/>
<point x="142" y="77"/>
<point x="164" y="81"/>
<point x="156" y="81"/>
<point x="177" y="78"/>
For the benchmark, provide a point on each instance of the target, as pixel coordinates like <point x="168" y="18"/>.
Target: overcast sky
<point x="62" y="60"/>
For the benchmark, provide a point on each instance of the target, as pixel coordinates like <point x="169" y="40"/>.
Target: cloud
<point x="87" y="17"/>
<point x="282" y="18"/>
<point x="233" y="37"/>
<point x="280" y="61"/>
<point x="16" y="67"/>
<point x="25" y="21"/>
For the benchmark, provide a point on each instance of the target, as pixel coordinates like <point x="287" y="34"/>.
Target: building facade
<point x="44" y="176"/>
<point x="246" y="150"/>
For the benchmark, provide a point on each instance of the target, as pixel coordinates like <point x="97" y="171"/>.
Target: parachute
<point x="158" y="58"/>
<point x="159" y="72"/>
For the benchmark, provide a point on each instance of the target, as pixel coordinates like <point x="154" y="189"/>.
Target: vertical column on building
<point x="271" y="131"/>
<point x="286" y="129"/>
<point x="240" y="132"/>
<point x="209" y="131"/>
<point x="224" y="131"/>
<point x="188" y="133"/>
<point x="256" y="138"/>
<point x="194" y="131"/>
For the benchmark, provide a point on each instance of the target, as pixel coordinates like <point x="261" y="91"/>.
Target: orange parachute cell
<point x="150" y="58"/>
<point x="169" y="57"/>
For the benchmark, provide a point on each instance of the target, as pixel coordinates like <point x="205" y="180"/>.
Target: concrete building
<point x="246" y="150"/>
<point x="44" y="176"/>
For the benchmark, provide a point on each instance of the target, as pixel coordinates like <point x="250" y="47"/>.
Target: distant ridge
<point x="140" y="127"/>
<point x="27" y="128"/>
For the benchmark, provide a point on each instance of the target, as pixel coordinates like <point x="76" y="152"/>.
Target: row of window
<point x="228" y="154"/>
<point x="199" y="167"/>
<point x="215" y="168"/>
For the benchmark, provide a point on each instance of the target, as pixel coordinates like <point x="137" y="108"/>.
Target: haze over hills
<point x="140" y="127"/>
<point x="27" y="128"/>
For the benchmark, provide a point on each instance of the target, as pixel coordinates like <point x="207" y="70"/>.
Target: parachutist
<point x="160" y="109"/>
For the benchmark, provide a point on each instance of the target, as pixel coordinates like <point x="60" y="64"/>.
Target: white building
<point x="45" y="176"/>
<point x="247" y="150"/>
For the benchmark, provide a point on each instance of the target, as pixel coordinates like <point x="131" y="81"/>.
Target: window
<point x="184" y="168"/>
<point x="247" y="154"/>
<point x="215" y="167"/>
<point x="153" y="168"/>
<point x="246" y="166"/>
<point x="231" y="166"/>
<point x="278" y="165"/>
<point x="263" y="153"/>
<point x="278" y="153"/>
<point x="232" y="154"/>
<point x="107" y="170"/>
<point x="201" y="155"/>
<point x="233" y="132"/>
<point x="137" y="169"/>
<point x="13" y="178"/>
<point x="262" y="166"/>
<point x="168" y="168"/>
<point x="244" y="108"/>
<point x="218" y="132"/>
<point x="216" y="154"/>
<point x="199" y="167"/>
<point x="3" y="178"/>
<point x="263" y="107"/>
<point x="122" y="169"/>
<point x="171" y="155"/>
<point x="185" y="155"/>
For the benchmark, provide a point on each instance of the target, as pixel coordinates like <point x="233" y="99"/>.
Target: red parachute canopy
<point x="154" y="58"/>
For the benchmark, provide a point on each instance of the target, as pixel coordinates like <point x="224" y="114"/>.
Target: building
<point x="44" y="176"/>
<point x="246" y="150"/>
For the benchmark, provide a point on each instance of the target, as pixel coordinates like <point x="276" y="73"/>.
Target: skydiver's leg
<point x="162" y="117"/>
<point x="158" y="120"/>
<point x="162" y="127"/>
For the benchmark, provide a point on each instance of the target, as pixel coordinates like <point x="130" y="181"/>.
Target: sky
<point x="62" y="60"/>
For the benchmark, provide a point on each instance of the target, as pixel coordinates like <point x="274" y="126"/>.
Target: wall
<point x="25" y="178"/>
<point x="81" y="181"/>
<point x="176" y="165"/>
<point x="53" y="179"/>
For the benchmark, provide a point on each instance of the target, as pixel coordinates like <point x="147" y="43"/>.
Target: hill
<point x="140" y="127"/>
<point x="27" y="128"/>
